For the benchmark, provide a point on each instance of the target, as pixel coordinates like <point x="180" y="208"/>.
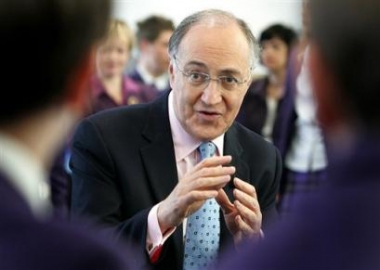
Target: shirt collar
<point x="161" y="82"/>
<point x="184" y="144"/>
<point x="26" y="174"/>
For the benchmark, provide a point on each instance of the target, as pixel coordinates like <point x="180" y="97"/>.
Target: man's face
<point x="206" y="111"/>
<point x="158" y="53"/>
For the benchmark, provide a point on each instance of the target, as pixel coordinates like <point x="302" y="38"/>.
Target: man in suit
<point x="135" y="169"/>
<point x="338" y="227"/>
<point x="151" y="69"/>
<point x="53" y="41"/>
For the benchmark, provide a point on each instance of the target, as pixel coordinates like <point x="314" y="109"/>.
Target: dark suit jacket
<point x="123" y="164"/>
<point x="336" y="228"/>
<point x="27" y="243"/>
<point x="152" y="93"/>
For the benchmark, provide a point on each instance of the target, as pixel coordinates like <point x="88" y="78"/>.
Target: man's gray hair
<point x="216" y="16"/>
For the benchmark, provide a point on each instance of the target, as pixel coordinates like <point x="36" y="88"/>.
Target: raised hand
<point x="202" y="182"/>
<point x="243" y="217"/>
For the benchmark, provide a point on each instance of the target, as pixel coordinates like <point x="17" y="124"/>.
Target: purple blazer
<point x="337" y="228"/>
<point x="132" y="93"/>
<point x="27" y="243"/>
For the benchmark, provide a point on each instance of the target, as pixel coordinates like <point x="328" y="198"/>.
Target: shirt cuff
<point x="155" y="238"/>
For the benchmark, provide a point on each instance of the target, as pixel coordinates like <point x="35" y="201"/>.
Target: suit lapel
<point x="158" y="154"/>
<point x="233" y="147"/>
<point x="159" y="158"/>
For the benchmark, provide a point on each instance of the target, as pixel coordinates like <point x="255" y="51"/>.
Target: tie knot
<point x="207" y="149"/>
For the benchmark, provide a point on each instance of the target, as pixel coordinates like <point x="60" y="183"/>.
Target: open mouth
<point x="208" y="116"/>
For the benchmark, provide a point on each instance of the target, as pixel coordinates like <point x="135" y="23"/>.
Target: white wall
<point x="257" y="13"/>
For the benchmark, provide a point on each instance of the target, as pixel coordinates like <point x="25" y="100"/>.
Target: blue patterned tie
<point x="203" y="228"/>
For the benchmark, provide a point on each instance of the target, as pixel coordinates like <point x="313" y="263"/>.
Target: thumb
<point x="224" y="202"/>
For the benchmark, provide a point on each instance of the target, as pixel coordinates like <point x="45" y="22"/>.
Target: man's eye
<point x="197" y="77"/>
<point x="229" y="80"/>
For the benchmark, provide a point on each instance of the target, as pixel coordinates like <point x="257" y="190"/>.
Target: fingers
<point x="224" y="202"/>
<point x="247" y="202"/>
<point x="244" y="227"/>
<point x="176" y="207"/>
<point x="215" y="178"/>
<point x="249" y="216"/>
<point x="245" y="187"/>
<point x="199" y="184"/>
<point x="209" y="174"/>
<point x="214" y="161"/>
<point x="199" y="196"/>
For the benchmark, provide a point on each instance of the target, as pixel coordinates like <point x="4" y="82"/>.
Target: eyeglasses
<point x="202" y="80"/>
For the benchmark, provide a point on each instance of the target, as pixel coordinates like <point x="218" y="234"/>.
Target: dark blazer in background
<point x="254" y="112"/>
<point x="154" y="92"/>
<point x="123" y="164"/>
<point x="30" y="244"/>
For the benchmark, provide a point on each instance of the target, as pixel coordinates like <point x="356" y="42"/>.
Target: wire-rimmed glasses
<point x="201" y="80"/>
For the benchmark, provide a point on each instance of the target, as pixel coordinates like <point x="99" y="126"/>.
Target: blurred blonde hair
<point x="120" y="29"/>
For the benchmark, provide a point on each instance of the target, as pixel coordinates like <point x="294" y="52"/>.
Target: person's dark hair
<point x="151" y="28"/>
<point x="42" y="41"/>
<point x="221" y="17"/>
<point x="347" y="33"/>
<point x="282" y="32"/>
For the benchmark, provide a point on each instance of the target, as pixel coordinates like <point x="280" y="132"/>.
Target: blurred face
<point x="274" y="54"/>
<point x="112" y="58"/>
<point x="157" y="52"/>
<point x="207" y="108"/>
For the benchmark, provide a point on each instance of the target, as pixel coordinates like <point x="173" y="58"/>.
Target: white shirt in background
<point x="161" y="82"/>
<point x="307" y="151"/>
<point x="26" y="175"/>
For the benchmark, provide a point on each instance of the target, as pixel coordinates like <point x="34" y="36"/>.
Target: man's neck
<point x="152" y="72"/>
<point x="277" y="78"/>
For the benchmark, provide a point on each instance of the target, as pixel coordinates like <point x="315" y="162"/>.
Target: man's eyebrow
<point x="196" y="63"/>
<point x="228" y="71"/>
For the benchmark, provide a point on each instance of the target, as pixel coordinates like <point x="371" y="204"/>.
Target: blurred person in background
<point x="262" y="108"/>
<point x="36" y="114"/>
<point x="153" y="34"/>
<point x="303" y="145"/>
<point x="336" y="227"/>
<point x="110" y="87"/>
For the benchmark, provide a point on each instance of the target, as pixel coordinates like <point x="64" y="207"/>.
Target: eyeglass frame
<point x="207" y="78"/>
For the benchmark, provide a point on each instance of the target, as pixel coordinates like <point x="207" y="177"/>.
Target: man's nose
<point x="211" y="94"/>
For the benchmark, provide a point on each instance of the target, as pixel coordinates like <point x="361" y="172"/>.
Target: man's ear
<point x="78" y="89"/>
<point x="326" y="90"/>
<point x="171" y="73"/>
